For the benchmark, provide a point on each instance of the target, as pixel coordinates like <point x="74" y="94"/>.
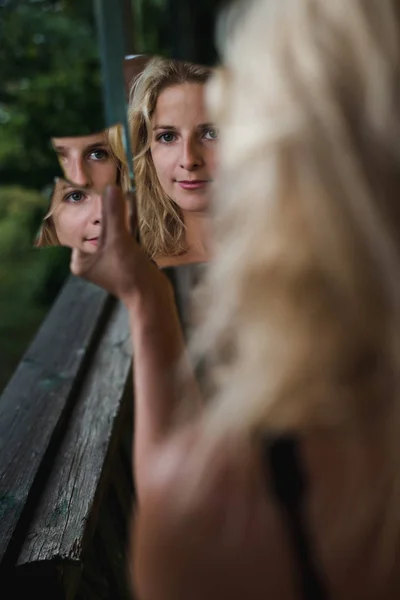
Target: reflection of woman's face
<point x="77" y="216"/>
<point x="86" y="161"/>
<point x="183" y="145"/>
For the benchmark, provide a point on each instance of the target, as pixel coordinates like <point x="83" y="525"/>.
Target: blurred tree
<point x="51" y="84"/>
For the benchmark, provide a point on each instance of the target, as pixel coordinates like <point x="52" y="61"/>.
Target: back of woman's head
<point x="302" y="325"/>
<point x="304" y="293"/>
<point x="160" y="219"/>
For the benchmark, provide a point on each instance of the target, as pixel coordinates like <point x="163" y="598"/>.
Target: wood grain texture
<point x="34" y="405"/>
<point x="66" y="512"/>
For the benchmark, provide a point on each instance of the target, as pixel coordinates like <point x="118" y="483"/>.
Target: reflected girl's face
<point x="77" y="216"/>
<point x="183" y="145"/>
<point x="86" y="161"/>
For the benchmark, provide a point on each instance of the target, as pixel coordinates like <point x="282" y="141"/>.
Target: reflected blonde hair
<point x="47" y="235"/>
<point x="160" y="219"/>
<point x="303" y="324"/>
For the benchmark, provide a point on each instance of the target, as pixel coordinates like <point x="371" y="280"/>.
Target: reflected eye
<point x="99" y="154"/>
<point x="166" y="138"/>
<point x="211" y="134"/>
<point x="74" y="197"/>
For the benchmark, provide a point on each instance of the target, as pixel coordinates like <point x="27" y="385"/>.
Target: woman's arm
<point x="120" y="267"/>
<point x="160" y="389"/>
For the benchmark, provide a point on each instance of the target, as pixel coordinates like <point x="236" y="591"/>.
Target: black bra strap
<point x="289" y="485"/>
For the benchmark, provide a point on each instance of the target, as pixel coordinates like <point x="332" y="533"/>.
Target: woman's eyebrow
<point x="95" y="145"/>
<point x="173" y="128"/>
<point x="69" y="185"/>
<point x="59" y="148"/>
<point x="164" y="127"/>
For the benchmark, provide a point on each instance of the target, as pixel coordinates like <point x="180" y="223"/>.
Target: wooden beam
<point x="67" y="511"/>
<point x="36" y="404"/>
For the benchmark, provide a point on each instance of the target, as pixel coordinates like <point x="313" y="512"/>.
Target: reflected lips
<point x="193" y="185"/>
<point x="92" y="241"/>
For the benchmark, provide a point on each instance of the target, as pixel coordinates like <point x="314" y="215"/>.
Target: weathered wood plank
<point x="35" y="403"/>
<point x="66" y="512"/>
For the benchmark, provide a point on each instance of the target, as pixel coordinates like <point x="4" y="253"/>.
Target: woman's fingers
<point x="132" y="215"/>
<point x="114" y="214"/>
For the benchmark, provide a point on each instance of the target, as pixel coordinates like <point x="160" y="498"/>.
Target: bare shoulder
<point x="204" y="528"/>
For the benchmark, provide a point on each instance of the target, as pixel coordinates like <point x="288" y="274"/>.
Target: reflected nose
<point x="95" y="209"/>
<point x="78" y="173"/>
<point x="192" y="157"/>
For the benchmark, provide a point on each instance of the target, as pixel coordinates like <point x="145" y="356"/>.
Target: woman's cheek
<point x="104" y="175"/>
<point x="69" y="226"/>
<point x="159" y="161"/>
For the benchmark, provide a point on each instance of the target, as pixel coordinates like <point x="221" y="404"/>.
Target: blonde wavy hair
<point x="302" y="330"/>
<point x="160" y="219"/>
<point x="47" y="235"/>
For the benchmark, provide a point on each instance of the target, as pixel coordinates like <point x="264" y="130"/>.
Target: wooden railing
<point x="66" y="421"/>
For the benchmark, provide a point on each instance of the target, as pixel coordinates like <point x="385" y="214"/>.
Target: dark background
<point x="50" y="77"/>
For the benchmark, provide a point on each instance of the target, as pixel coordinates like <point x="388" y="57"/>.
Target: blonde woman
<point x="285" y="484"/>
<point x="174" y="145"/>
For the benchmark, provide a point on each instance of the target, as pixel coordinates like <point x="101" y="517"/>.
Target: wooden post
<point x="129" y="47"/>
<point x="193" y="24"/>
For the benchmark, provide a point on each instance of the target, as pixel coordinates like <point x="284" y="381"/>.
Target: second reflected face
<point x="77" y="216"/>
<point x="183" y="146"/>
<point x="86" y="161"/>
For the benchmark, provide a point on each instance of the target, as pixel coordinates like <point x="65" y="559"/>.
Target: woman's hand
<point x="118" y="265"/>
